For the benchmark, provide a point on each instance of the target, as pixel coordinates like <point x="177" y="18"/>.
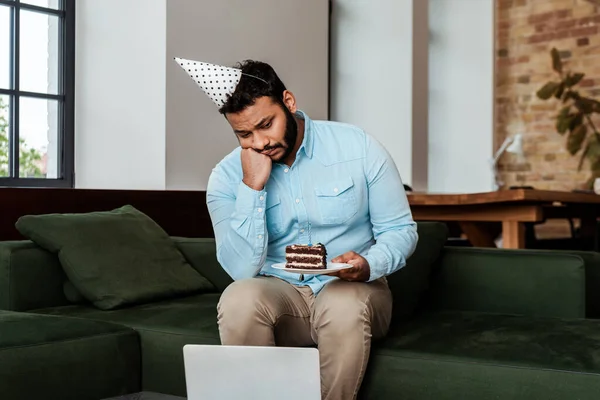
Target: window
<point x="37" y="77"/>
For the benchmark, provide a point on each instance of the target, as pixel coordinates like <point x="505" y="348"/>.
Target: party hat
<point x="217" y="81"/>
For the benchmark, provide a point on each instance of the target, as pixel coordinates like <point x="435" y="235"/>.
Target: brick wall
<point x="526" y="32"/>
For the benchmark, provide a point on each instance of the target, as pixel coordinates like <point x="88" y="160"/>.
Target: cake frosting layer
<point x="305" y="266"/>
<point x="297" y="249"/>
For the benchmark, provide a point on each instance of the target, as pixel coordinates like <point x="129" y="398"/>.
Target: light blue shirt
<point x="343" y="183"/>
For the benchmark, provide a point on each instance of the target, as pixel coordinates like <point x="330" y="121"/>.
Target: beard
<point x="291" y="133"/>
<point x="290" y="137"/>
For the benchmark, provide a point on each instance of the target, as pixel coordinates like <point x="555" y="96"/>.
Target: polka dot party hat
<point x="217" y="81"/>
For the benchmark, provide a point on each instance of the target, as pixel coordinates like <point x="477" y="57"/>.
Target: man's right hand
<point x="256" y="168"/>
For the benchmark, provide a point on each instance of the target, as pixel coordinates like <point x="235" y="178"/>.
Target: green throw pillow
<point x="115" y="258"/>
<point x="410" y="282"/>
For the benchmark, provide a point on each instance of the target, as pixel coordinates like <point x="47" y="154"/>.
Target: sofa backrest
<point x="407" y="284"/>
<point x="523" y="282"/>
<point x="201" y="253"/>
<point x="530" y="282"/>
<point x="410" y="282"/>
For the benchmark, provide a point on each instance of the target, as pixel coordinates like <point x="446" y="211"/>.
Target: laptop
<point x="251" y="373"/>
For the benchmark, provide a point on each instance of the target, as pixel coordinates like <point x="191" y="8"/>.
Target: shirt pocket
<point x="274" y="214"/>
<point x="336" y="200"/>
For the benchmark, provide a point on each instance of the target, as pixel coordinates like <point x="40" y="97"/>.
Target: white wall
<point x="376" y="45"/>
<point x="461" y="96"/>
<point x="141" y="123"/>
<point x="419" y="76"/>
<point x="289" y="35"/>
<point x="120" y="94"/>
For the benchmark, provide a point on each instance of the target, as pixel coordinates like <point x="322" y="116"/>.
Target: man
<point x="295" y="180"/>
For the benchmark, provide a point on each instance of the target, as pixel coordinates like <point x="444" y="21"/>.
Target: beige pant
<point x="341" y="320"/>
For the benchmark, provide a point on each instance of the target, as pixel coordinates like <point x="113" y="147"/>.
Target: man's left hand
<point x="360" y="271"/>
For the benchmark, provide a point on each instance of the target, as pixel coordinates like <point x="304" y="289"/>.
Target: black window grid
<point x="65" y="97"/>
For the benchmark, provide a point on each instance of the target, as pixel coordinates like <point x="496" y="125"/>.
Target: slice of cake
<point x="306" y="256"/>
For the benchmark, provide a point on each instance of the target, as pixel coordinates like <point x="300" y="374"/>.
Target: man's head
<point x="260" y="111"/>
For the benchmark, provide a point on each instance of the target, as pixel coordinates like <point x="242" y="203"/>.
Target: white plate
<point x="331" y="267"/>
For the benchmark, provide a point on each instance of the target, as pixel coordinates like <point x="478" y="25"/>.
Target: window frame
<point x="65" y="98"/>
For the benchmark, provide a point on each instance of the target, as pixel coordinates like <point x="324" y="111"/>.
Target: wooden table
<point x="482" y="216"/>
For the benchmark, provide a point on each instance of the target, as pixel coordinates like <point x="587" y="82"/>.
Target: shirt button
<point x="260" y="236"/>
<point x="297" y="201"/>
<point x="260" y="210"/>
<point x="262" y="198"/>
<point x="335" y="190"/>
<point x="301" y="230"/>
<point x="286" y="170"/>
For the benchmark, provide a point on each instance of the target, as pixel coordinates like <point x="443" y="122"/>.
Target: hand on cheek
<point x="256" y="168"/>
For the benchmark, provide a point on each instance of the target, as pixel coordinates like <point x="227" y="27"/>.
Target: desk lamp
<point x="514" y="145"/>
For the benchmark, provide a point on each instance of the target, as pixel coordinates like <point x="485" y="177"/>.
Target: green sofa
<point x="468" y="324"/>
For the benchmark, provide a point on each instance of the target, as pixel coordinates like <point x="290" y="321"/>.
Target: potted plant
<point x="575" y="117"/>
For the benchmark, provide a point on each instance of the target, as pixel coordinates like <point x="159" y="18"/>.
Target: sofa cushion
<point x="466" y="355"/>
<point x="46" y="357"/>
<point x="164" y="328"/>
<point x="554" y="343"/>
<point x="410" y="282"/>
<point x="115" y="258"/>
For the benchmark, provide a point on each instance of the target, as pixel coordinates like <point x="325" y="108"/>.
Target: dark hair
<point x="258" y="79"/>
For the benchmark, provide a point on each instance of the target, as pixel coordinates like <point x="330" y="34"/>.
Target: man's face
<point x="267" y="127"/>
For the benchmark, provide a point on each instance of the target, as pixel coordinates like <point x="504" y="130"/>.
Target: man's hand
<point x="360" y="271"/>
<point x="256" y="168"/>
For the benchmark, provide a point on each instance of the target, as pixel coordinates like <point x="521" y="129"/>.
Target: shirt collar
<point x="308" y="141"/>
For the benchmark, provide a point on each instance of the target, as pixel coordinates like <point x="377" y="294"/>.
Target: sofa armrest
<point x="30" y="277"/>
<point x="524" y="282"/>
<point x="201" y="254"/>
